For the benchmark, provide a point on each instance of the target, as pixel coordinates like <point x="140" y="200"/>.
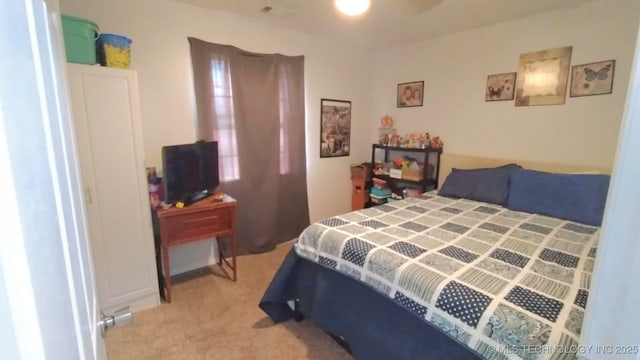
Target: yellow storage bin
<point x="114" y="50"/>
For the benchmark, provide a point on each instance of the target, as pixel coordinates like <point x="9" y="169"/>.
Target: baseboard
<point x="192" y="274"/>
<point x="143" y="302"/>
<point x="186" y="268"/>
<point x="193" y="256"/>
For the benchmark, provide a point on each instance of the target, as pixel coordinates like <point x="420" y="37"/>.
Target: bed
<point x="494" y="265"/>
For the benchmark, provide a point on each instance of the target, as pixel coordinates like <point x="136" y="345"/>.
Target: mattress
<point x="507" y="284"/>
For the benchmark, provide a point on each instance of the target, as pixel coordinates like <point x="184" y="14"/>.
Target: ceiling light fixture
<point x="353" y="7"/>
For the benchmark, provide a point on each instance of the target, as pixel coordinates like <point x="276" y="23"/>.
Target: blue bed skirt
<point x="373" y="325"/>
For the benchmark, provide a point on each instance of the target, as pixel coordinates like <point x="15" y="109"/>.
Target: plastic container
<point x="114" y="50"/>
<point x="79" y="39"/>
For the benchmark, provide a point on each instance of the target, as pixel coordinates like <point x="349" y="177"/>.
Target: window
<point x="284" y="139"/>
<point x="253" y="105"/>
<point x="226" y="130"/>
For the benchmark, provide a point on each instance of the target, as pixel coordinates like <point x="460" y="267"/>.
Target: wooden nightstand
<point x="205" y="219"/>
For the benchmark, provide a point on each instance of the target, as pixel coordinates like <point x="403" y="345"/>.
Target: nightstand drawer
<point x="190" y="226"/>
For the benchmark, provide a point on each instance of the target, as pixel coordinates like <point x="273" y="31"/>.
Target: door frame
<point x="47" y="295"/>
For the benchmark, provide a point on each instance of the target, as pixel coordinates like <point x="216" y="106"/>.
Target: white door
<point x="48" y="304"/>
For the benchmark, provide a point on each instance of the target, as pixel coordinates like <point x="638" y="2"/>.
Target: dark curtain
<point x="253" y="105"/>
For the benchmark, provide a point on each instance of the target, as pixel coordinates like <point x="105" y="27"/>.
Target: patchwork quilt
<point x="510" y="285"/>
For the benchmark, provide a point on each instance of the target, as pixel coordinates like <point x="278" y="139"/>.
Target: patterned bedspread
<point x="508" y="284"/>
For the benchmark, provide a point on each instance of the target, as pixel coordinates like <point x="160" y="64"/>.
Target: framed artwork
<point x="500" y="87"/>
<point x="335" y="127"/>
<point x="410" y="94"/>
<point x="542" y="77"/>
<point x="592" y="79"/>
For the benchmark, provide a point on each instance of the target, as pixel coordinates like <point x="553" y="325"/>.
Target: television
<point x="190" y="171"/>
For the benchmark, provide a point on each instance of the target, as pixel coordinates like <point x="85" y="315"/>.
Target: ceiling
<point x="388" y="23"/>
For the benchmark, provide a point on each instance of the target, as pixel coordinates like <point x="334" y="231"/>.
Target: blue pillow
<point x="489" y="185"/>
<point x="574" y="197"/>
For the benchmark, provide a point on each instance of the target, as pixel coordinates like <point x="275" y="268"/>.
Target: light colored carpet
<point x="212" y="317"/>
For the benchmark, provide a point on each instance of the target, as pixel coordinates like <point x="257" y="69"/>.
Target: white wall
<point x="160" y="53"/>
<point x="583" y="131"/>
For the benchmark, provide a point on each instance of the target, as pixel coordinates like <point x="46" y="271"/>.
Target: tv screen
<point x="189" y="169"/>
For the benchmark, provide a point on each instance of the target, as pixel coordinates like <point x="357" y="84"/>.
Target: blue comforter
<point x="374" y="327"/>
<point x="506" y="284"/>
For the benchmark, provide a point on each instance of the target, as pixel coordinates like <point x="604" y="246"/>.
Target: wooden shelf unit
<point x="428" y="156"/>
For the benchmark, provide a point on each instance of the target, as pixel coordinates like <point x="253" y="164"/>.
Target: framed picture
<point x="592" y="79"/>
<point x="335" y="127"/>
<point x="500" y="87"/>
<point x="410" y="94"/>
<point x="542" y="77"/>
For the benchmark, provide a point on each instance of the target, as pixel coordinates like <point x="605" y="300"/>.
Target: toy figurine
<point x="436" y="142"/>
<point x="427" y="139"/>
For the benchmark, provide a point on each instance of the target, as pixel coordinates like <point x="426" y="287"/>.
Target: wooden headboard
<point x="449" y="161"/>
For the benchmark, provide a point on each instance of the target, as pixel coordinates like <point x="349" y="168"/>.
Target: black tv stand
<point x="192" y="198"/>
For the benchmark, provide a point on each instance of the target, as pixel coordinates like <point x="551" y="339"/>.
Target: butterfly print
<point x="599" y="75"/>
<point x="495" y="92"/>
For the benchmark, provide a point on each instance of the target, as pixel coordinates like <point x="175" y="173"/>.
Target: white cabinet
<point x="107" y="121"/>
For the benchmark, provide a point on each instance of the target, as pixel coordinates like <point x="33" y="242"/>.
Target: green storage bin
<point x="79" y="39"/>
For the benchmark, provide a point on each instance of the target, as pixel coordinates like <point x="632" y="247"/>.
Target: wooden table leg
<point x="167" y="274"/>
<point x="233" y="255"/>
<point x="222" y="260"/>
<point x="220" y="253"/>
